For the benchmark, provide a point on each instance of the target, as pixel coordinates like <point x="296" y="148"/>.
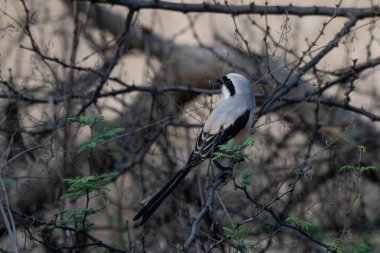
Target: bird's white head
<point x="234" y="84"/>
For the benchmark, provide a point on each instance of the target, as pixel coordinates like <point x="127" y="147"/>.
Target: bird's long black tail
<point x="154" y="201"/>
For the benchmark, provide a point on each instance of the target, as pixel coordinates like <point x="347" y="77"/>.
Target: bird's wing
<point x="206" y="142"/>
<point x="204" y="146"/>
<point x="232" y="130"/>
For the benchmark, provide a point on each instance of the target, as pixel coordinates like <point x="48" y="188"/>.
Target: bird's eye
<point x="227" y="82"/>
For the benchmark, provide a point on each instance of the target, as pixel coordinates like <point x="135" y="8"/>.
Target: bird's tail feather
<point x="153" y="202"/>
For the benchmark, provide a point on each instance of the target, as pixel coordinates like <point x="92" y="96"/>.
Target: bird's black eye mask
<point x="231" y="88"/>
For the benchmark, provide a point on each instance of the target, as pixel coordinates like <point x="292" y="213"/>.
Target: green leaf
<point x="303" y="225"/>
<point x="317" y="232"/>
<point x="250" y="142"/>
<point x="71" y="223"/>
<point x="81" y="186"/>
<point x="99" y="118"/>
<point x="235" y="233"/>
<point x="346" y="168"/>
<point x="111" y="218"/>
<point x="88" y="144"/>
<point x="367" y="169"/>
<point x="364" y="247"/>
<point x="246" y="178"/>
<point x="229" y="151"/>
<point x="87" y="226"/>
<point x="64" y="223"/>
<point x="243" y="246"/>
<point x="336" y="245"/>
<point x="79" y="212"/>
<point x="8" y="181"/>
<point x="73" y="194"/>
<point x="86" y="120"/>
<point x="264" y="227"/>
<point x="249" y="244"/>
<point x="112" y="131"/>
<point x="179" y="247"/>
<point x="219" y="155"/>
<point x="98" y="138"/>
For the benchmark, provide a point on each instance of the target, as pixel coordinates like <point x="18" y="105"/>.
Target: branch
<point x="118" y="53"/>
<point x="218" y="180"/>
<point x="351" y="73"/>
<point x="153" y="89"/>
<point x="293" y="81"/>
<point x="329" y="102"/>
<point x="251" y="8"/>
<point x="268" y="208"/>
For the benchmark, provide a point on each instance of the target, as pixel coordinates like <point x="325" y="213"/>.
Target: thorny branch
<point x="243" y="9"/>
<point x="293" y="81"/>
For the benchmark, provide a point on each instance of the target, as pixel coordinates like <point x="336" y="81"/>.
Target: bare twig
<point x="112" y="63"/>
<point x="293" y="81"/>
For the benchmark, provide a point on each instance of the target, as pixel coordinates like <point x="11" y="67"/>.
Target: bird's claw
<point x="225" y="172"/>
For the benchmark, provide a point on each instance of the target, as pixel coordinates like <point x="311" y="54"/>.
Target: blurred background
<point x="101" y="102"/>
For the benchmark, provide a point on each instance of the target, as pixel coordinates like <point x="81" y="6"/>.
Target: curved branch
<point x="328" y="102"/>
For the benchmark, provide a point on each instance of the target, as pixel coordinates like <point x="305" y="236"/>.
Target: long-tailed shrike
<point x="232" y="118"/>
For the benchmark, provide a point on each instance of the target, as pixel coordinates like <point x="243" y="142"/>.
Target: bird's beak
<point x="220" y="81"/>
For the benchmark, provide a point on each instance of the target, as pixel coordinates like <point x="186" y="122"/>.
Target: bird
<point x="232" y="118"/>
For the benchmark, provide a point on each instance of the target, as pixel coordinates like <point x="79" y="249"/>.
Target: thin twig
<point x="293" y="81"/>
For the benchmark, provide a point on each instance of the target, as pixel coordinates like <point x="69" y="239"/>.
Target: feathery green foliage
<point x="238" y="235"/>
<point x="84" y="186"/>
<point x="234" y="152"/>
<point x="304" y="225"/>
<point x="95" y="138"/>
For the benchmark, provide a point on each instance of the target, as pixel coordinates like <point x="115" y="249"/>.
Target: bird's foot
<point x="224" y="172"/>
